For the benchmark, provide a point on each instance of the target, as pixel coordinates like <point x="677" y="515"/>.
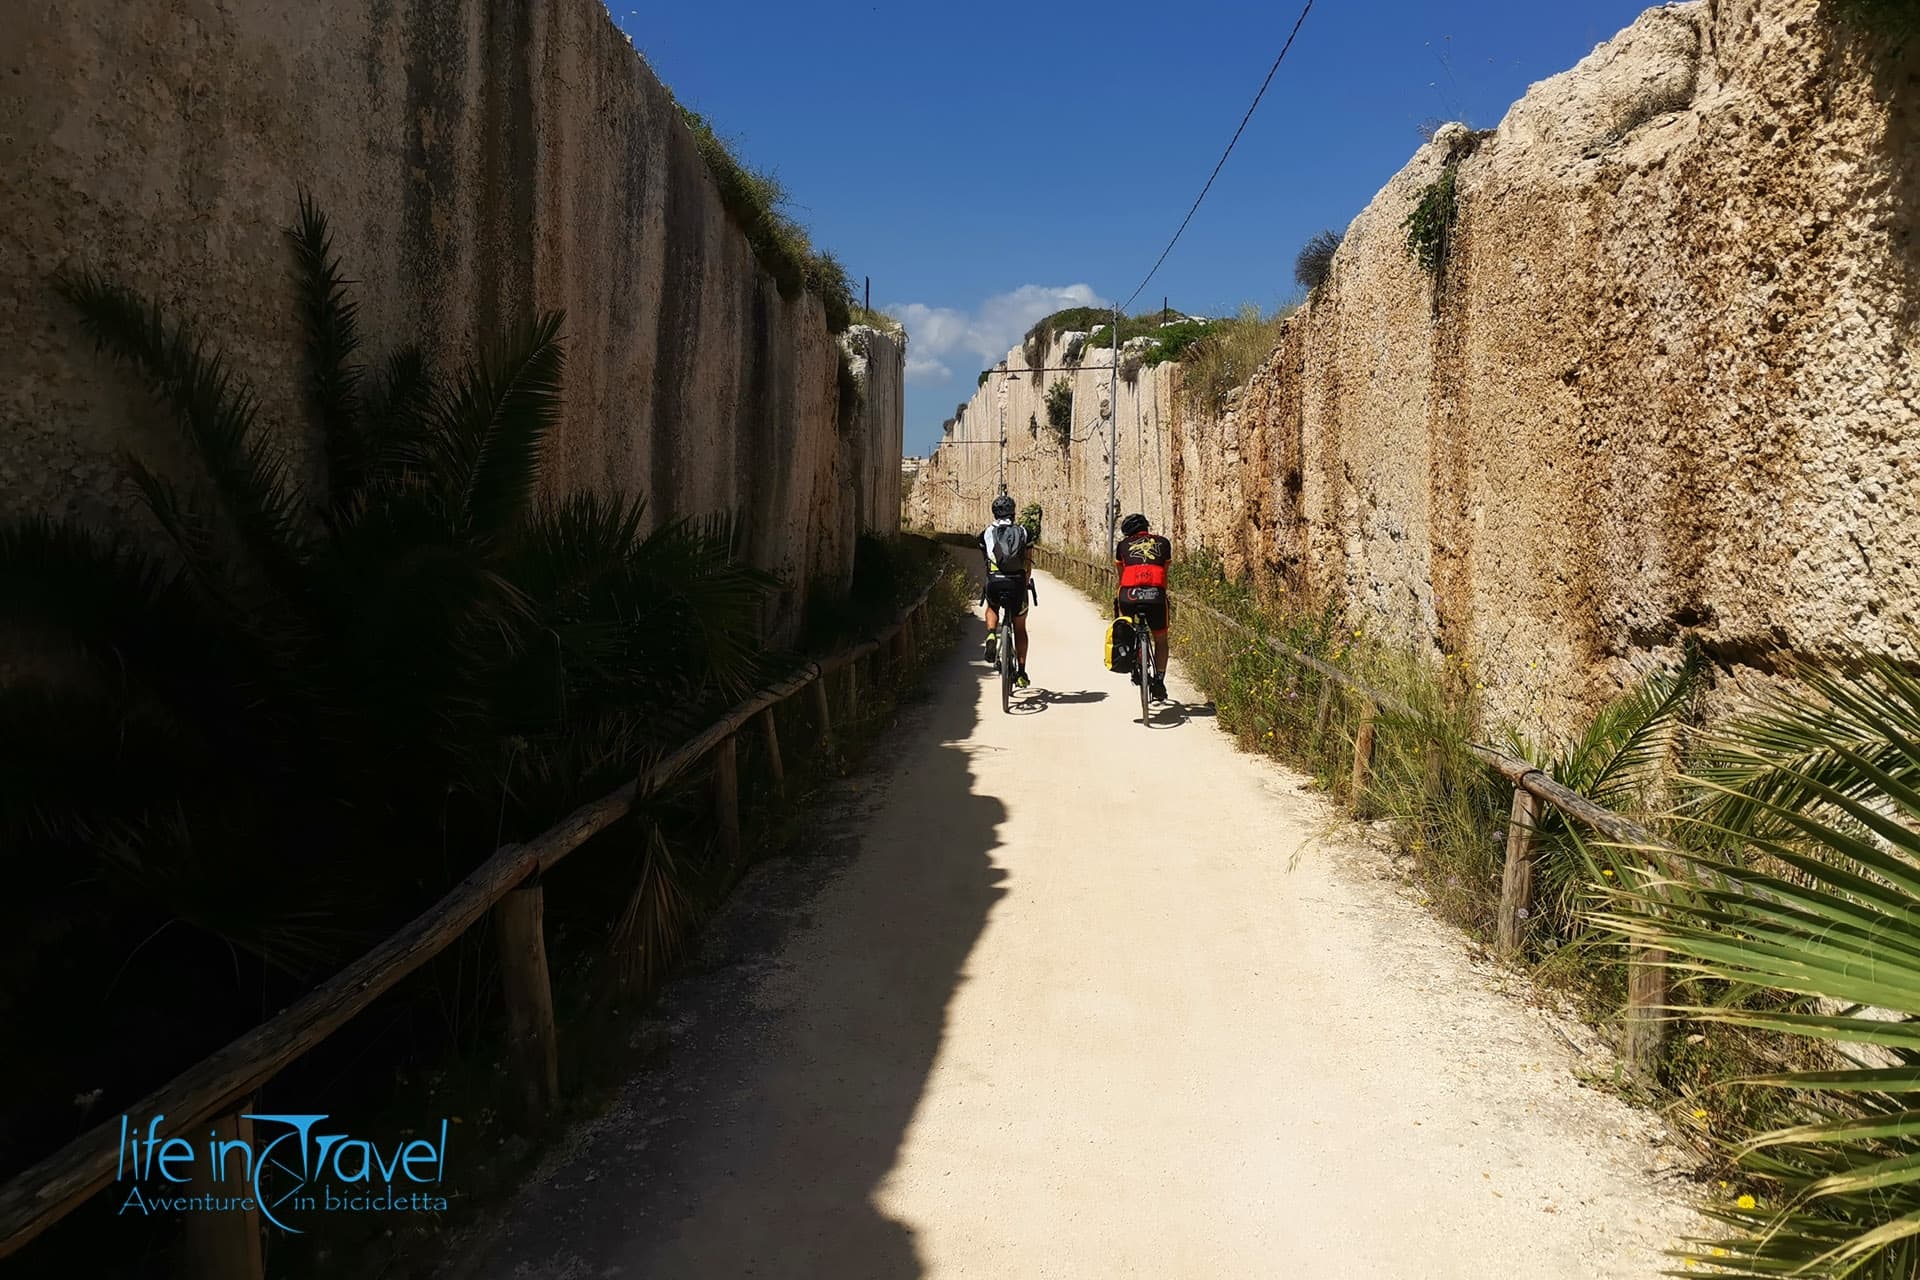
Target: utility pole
<point x="1002" y="384"/>
<point x="1113" y="435"/>
<point x="869" y="280"/>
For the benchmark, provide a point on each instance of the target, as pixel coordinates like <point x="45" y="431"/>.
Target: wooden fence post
<point x="1646" y="1029"/>
<point x="726" y="799"/>
<point x="820" y="711"/>
<point x="775" y="764"/>
<point x="533" y="1046"/>
<point x="1516" y="881"/>
<point x="853" y="691"/>
<point x="225" y="1246"/>
<point x="1362" y="757"/>
<point x="1323" y="714"/>
<point x="1435" y="771"/>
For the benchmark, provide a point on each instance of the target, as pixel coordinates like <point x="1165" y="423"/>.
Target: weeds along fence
<point x="1356" y="728"/>
<point x="507" y="886"/>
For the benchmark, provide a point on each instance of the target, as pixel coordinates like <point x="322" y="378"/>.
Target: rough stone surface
<point x="873" y="445"/>
<point x="480" y="159"/>
<point x="1665" y="386"/>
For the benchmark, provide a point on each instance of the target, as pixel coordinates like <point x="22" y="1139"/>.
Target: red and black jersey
<point x="1143" y="560"/>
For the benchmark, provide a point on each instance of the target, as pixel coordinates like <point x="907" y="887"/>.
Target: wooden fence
<point x="1647" y="985"/>
<point x="214" y="1092"/>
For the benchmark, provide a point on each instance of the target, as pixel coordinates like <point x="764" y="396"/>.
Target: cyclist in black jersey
<point x="1009" y="554"/>
<point x="1142" y="557"/>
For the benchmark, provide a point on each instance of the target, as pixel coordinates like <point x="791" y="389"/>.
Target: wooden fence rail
<point x="506" y="885"/>
<point x="1647" y="986"/>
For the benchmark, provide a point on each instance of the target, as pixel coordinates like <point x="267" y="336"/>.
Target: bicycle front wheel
<point x="1143" y="655"/>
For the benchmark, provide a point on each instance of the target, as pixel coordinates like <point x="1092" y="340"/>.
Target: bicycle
<point x="1006" y="657"/>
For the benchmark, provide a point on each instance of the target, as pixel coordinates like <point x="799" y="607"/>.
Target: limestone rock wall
<point x="1667" y="385"/>
<point x="480" y="159"/>
<point x="1065" y="472"/>
<point x="874" y="444"/>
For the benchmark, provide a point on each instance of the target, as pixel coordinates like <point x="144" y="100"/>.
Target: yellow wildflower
<point x="1608" y="873"/>
<point x="1698" y="1114"/>
<point x="1747" y="1202"/>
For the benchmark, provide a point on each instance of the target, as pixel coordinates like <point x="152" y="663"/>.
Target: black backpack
<point x="1006" y="549"/>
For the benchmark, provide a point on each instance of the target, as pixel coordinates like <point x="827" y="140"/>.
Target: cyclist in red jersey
<point x="1142" y="557"/>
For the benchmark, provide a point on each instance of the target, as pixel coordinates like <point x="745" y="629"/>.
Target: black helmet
<point x="1135" y="523"/>
<point x="1003" y="508"/>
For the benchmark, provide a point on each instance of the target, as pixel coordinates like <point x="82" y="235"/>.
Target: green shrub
<point x="1030" y="517"/>
<point x="1060" y="410"/>
<point x="1172" y="342"/>
<point x="873" y="318"/>
<point x="1161" y="327"/>
<point x="1224" y="356"/>
<point x="753" y="200"/>
<point x="332" y="697"/>
<point x="1315" y="260"/>
<point x="1044" y="330"/>
<point x="1430" y="225"/>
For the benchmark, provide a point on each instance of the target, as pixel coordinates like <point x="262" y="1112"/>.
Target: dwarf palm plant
<point x="1808" y="886"/>
<point x="1618" y="761"/>
<point x="333" y="680"/>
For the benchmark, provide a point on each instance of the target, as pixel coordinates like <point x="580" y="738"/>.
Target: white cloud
<point x="936" y="335"/>
<point x="925" y="369"/>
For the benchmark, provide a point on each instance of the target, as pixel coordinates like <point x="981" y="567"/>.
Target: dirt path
<point x="1068" y="996"/>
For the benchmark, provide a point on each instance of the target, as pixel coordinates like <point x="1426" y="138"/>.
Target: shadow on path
<point x="1037" y="700"/>
<point x="800" y="1041"/>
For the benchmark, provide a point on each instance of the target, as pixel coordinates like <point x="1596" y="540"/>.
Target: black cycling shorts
<point x="1007" y="595"/>
<point x="1146" y="603"/>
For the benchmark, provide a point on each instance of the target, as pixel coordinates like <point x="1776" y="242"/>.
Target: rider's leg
<point x="993" y="619"/>
<point x="1160" y="647"/>
<point x="1020" y="638"/>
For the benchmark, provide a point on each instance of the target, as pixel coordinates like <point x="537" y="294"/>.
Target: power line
<point x="1223" y="157"/>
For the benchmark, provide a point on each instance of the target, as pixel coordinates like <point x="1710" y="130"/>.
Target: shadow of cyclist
<point x="1171" y="715"/>
<point x="1037" y="700"/>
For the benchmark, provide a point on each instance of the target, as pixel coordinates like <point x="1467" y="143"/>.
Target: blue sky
<point x="985" y="166"/>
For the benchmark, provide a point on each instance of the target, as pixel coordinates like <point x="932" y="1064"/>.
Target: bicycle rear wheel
<point x="1143" y="657"/>
<point x="1006" y="667"/>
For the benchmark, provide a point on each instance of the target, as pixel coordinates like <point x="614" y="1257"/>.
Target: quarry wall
<point x="480" y="160"/>
<point x="1665" y="385"/>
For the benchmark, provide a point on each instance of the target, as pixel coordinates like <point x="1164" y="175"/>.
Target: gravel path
<point x="1063" y="995"/>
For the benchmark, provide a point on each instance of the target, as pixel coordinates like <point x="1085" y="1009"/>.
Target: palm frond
<point x="217" y="410"/>
<point x="1771" y="759"/>
<point x="77" y="756"/>
<point x="492" y="425"/>
<point x="331" y="320"/>
<point x="1618" y="762"/>
<point x="1810" y="886"/>
<point x="103" y="594"/>
<point x="278" y="912"/>
<point x="704" y="601"/>
<point x="654" y="928"/>
<point x="399" y="423"/>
